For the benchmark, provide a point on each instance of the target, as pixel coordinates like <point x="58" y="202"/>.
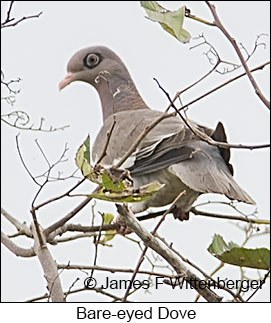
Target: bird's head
<point x="95" y="65"/>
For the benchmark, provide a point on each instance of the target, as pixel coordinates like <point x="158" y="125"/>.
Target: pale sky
<point x="38" y="50"/>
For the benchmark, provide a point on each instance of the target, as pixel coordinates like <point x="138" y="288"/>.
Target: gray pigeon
<point x="170" y="153"/>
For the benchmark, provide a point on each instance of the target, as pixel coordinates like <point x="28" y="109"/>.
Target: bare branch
<point x="229" y="217"/>
<point x="79" y="290"/>
<point x="212" y="142"/>
<point x="96" y="242"/>
<point x="141" y="259"/>
<point x="69" y="215"/>
<point x="221" y="286"/>
<point x="108" y="136"/>
<point x="72" y="285"/>
<point x="189" y="15"/>
<point x="113" y="270"/>
<point x="11" y="22"/>
<point x="219" y="24"/>
<point x="260" y="286"/>
<point x="257" y="44"/>
<point x="22" y="121"/>
<point x="203" y="136"/>
<point x="18" y="251"/>
<point x="49" y="268"/>
<point x="166" y="253"/>
<point x="21" y="227"/>
<point x="213" y="53"/>
<point x="22" y="160"/>
<point x="9" y="83"/>
<point x="60" y="196"/>
<point x="71" y="238"/>
<point x="8" y="13"/>
<point x="260" y="67"/>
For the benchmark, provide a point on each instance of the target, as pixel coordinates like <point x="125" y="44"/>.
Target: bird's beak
<point x="66" y="81"/>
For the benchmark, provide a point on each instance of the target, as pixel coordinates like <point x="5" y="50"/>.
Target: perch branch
<point x="166" y="253"/>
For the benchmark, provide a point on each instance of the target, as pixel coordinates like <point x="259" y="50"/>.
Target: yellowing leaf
<point x="129" y="195"/>
<point x="82" y="158"/>
<point x="110" y="234"/>
<point x="108" y="218"/>
<point x="171" y="21"/>
<point x="108" y="183"/>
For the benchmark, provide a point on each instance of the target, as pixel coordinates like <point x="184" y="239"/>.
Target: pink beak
<point x="66" y="81"/>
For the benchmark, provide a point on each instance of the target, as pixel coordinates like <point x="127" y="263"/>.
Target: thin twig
<point x="141" y="259"/>
<point x="22" y="160"/>
<point x="108" y="136"/>
<point x="203" y="136"/>
<point x="260" y="286"/>
<point x="97" y="240"/>
<point x="200" y="270"/>
<point x="70" y="214"/>
<point x="60" y="196"/>
<point x="189" y="15"/>
<point x="9" y="22"/>
<point x="260" y="67"/>
<point x="8" y="19"/>
<point x="219" y="24"/>
<point x="79" y="290"/>
<point x="113" y="270"/>
<point x="69" y="290"/>
<point x="229" y="217"/>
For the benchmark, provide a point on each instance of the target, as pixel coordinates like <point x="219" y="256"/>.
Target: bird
<point x="171" y="153"/>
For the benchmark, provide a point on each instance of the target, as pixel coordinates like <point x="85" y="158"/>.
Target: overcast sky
<point x="38" y="50"/>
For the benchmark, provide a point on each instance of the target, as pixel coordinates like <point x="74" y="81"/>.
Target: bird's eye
<point x="91" y="60"/>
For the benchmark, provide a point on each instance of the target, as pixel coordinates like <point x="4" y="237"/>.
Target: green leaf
<point x="110" y="234"/>
<point x="108" y="218"/>
<point x="108" y="183"/>
<point x="129" y="195"/>
<point x="231" y="253"/>
<point x="82" y="158"/>
<point x="171" y="21"/>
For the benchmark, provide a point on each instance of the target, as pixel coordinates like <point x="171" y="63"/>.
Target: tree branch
<point x="141" y="259"/>
<point x="11" y="22"/>
<point x="260" y="67"/>
<point x="229" y="217"/>
<point x="203" y="136"/>
<point x="219" y="24"/>
<point x="18" y="251"/>
<point x="112" y="270"/>
<point x="21" y="227"/>
<point x="166" y="253"/>
<point x="49" y="268"/>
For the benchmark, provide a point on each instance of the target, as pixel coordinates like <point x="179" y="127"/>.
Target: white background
<point x="38" y="50"/>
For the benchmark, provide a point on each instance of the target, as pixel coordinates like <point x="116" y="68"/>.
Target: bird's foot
<point x="123" y="228"/>
<point x="180" y="214"/>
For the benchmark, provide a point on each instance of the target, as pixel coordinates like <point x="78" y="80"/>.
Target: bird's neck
<point x="117" y="95"/>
